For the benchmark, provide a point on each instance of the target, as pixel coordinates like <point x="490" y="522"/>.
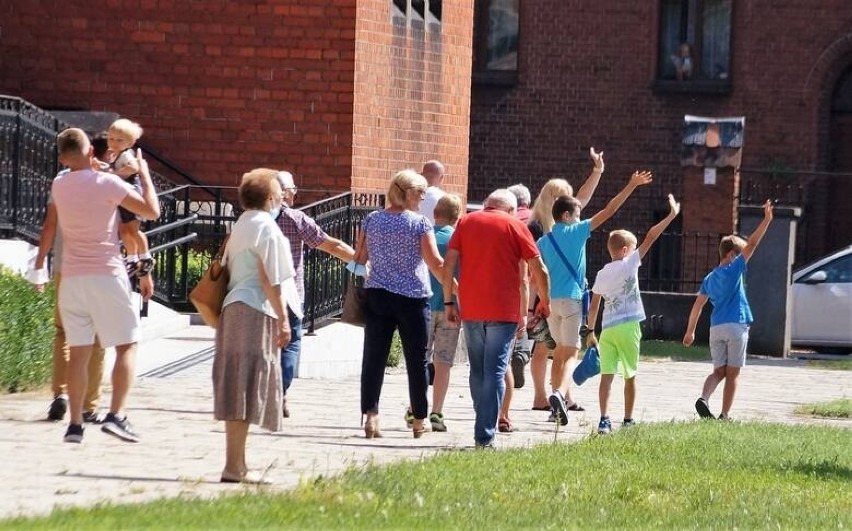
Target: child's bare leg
<point x="730" y="389"/>
<point x="629" y="397"/>
<point x="712" y="382"/>
<point x="509" y="380"/>
<point x="538" y="370"/>
<point x="128" y="238"/>
<point x="603" y="393"/>
<point x="440" y="386"/>
<point x="557" y="369"/>
<point x="564" y="387"/>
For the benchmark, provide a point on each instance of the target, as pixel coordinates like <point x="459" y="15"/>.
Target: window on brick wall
<point x="695" y="45"/>
<point x="418" y="13"/>
<point x="495" y="47"/>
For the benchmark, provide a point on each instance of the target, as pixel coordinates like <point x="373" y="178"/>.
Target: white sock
<point x="132" y="258"/>
<point x="145" y="256"/>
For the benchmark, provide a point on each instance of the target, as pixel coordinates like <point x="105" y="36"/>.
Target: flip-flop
<point x="504" y="425"/>
<point x="541" y="408"/>
<point x="251" y="478"/>
<point x="576" y="407"/>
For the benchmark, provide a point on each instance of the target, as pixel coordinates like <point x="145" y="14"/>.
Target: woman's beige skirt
<point x="247" y="368"/>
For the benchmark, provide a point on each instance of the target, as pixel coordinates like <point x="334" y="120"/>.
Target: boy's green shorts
<point x="620" y="345"/>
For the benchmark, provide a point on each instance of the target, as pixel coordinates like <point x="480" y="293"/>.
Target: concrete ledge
<point x="334" y="351"/>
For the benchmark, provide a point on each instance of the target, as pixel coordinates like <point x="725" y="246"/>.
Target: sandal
<point x="541" y="408"/>
<point x="504" y="425"/>
<point x="576" y="407"/>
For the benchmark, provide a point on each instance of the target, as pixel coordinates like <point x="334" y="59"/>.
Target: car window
<point x="839" y="271"/>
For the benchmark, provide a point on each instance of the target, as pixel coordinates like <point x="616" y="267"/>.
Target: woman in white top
<point x="254" y="325"/>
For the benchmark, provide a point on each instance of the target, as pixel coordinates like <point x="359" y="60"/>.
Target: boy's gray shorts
<point x="728" y="344"/>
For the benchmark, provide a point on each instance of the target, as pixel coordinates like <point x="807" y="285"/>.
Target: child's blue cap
<point x="588" y="367"/>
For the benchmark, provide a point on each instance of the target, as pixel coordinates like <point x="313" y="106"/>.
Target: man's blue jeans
<point x="489" y="344"/>
<point x="291" y="351"/>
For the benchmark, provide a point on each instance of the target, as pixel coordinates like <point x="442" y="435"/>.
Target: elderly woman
<point x="400" y="245"/>
<point x="254" y="325"/>
<point x="541" y="222"/>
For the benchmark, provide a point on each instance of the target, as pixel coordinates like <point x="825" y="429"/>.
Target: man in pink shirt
<point x="94" y="297"/>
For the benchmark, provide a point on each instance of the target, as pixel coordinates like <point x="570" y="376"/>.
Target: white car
<point x="822" y="302"/>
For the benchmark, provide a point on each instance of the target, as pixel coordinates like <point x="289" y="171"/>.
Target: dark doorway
<point x="840" y="134"/>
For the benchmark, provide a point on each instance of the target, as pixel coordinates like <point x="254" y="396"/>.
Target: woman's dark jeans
<point x="385" y="313"/>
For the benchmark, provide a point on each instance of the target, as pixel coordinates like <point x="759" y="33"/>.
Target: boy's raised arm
<point x="639" y="178"/>
<point x="694" y="314"/>
<point x="584" y="194"/>
<point x="757" y="235"/>
<point x="656" y="230"/>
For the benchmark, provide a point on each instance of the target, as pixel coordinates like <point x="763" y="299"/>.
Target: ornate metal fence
<point x="28" y="163"/>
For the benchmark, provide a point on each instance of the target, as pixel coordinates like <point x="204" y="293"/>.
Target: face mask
<point x="275" y="212"/>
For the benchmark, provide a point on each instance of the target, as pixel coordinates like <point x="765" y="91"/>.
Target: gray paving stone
<point x="182" y="448"/>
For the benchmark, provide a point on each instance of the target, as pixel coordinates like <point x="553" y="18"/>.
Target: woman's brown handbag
<point x="355" y="302"/>
<point x="207" y="296"/>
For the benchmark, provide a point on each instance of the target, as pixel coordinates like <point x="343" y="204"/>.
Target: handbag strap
<point x="223" y="251"/>
<point x="580" y="282"/>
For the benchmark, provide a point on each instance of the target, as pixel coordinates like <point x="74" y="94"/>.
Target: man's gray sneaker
<point x="119" y="428"/>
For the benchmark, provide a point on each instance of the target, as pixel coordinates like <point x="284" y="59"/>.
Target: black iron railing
<point x="205" y="222"/>
<point x="677" y="263"/>
<point x="28" y="162"/>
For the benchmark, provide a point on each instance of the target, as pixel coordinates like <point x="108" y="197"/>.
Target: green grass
<point x="834" y="365"/>
<point x="836" y="409"/>
<point x="674" y="350"/>
<point x="675" y="476"/>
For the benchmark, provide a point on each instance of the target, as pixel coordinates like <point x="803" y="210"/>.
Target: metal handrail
<point x="173" y="225"/>
<point x="174" y="243"/>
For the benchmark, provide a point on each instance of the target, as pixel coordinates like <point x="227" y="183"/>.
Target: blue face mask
<point x="275" y="212"/>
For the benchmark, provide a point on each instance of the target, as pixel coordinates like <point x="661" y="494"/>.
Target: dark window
<point x="495" y="36"/>
<point x="435" y="11"/>
<point x="418" y="12"/>
<point x="695" y="40"/>
<point x="400" y="8"/>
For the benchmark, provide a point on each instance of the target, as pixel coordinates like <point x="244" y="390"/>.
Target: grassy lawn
<point x="834" y="365"/>
<point x="836" y="409"/>
<point x="674" y="350"/>
<point x="684" y="475"/>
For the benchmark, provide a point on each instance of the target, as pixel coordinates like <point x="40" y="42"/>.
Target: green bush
<point x="26" y="333"/>
<point x="395" y="357"/>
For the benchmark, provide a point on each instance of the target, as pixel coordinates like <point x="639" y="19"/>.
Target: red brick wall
<point x="412" y="95"/>
<point x="586" y="71"/>
<point x="219" y="86"/>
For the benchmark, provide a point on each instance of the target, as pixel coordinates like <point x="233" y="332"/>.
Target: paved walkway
<point x="182" y="449"/>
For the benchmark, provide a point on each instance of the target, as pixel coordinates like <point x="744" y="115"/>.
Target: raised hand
<point x="597" y="158"/>
<point x="767" y="210"/>
<point x="641" y="178"/>
<point x="674" y="206"/>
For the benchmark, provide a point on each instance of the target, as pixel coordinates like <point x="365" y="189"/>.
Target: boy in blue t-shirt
<point x="568" y="239"/>
<point x="443" y="335"/>
<point x="731" y="317"/>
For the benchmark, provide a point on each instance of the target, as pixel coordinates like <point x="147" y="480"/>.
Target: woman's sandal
<point x="418" y="428"/>
<point x="371" y="427"/>
<point x="249" y="478"/>
<point x="504" y="425"/>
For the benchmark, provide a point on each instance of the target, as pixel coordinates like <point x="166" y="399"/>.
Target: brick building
<point x="553" y="77"/>
<point x="342" y="92"/>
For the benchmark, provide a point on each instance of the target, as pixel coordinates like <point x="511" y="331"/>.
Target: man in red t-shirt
<point x="489" y="248"/>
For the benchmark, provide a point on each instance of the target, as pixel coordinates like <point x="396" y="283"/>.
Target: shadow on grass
<point x="825" y="470"/>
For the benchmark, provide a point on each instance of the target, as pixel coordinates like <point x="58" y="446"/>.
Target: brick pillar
<point x="707" y="209"/>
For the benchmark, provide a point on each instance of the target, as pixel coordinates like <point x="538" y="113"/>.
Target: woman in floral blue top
<point x="400" y="246"/>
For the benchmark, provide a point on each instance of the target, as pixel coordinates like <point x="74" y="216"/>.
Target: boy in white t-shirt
<point x="618" y="284"/>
